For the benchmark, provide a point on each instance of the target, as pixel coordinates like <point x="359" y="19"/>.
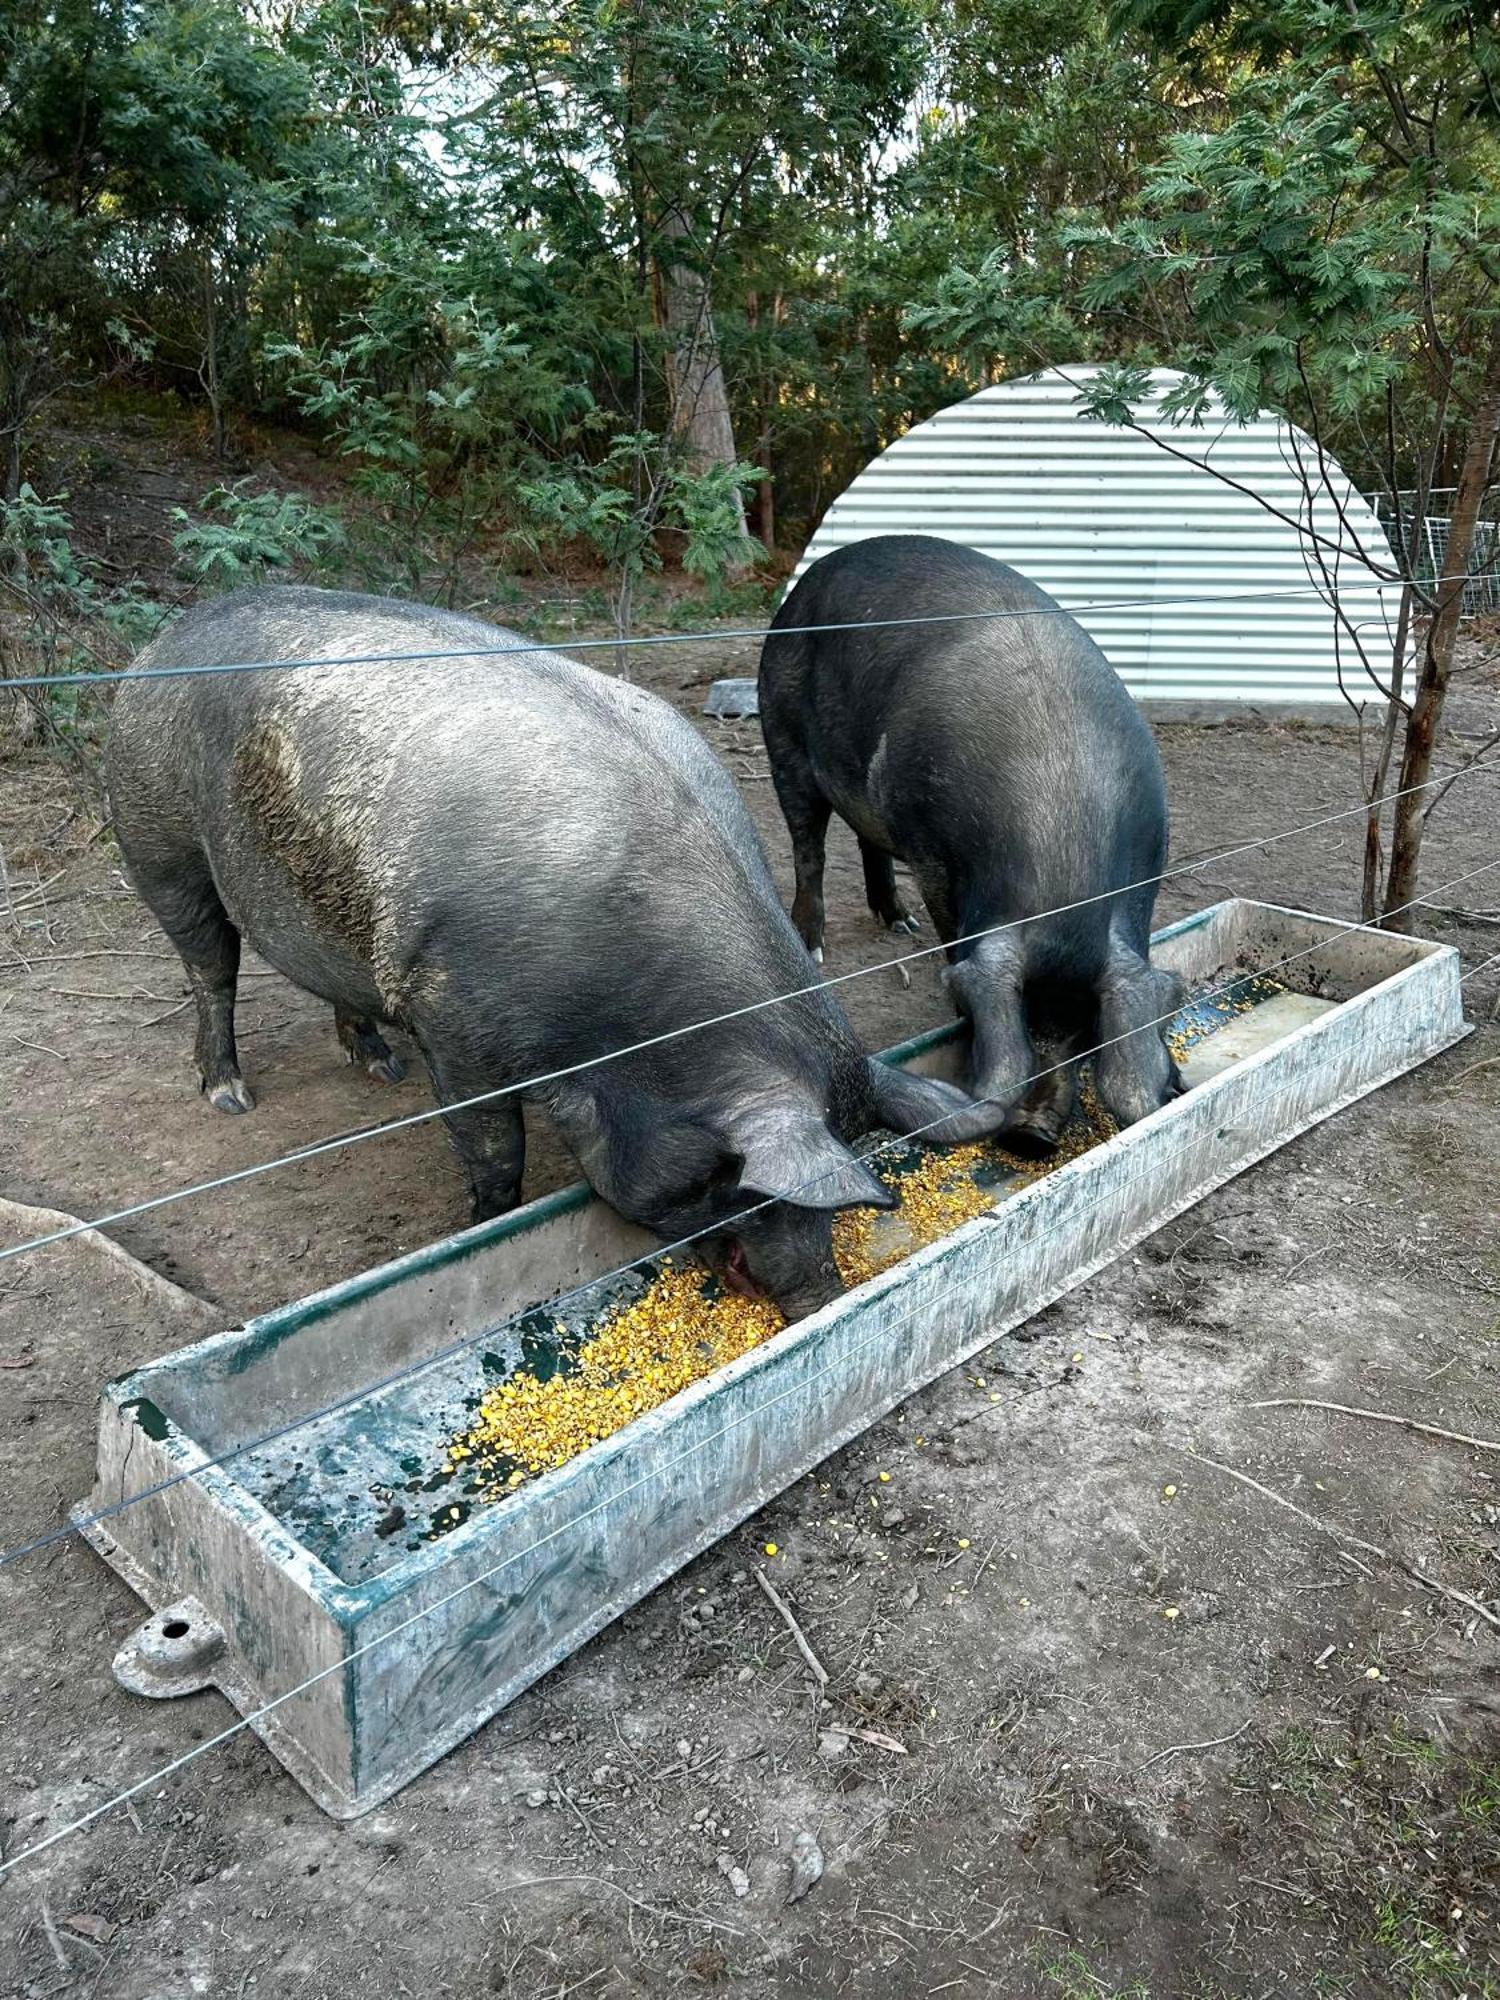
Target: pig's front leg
<point x="987" y="987"/>
<point x="489" y="1138"/>
<point x="1134" y="1070"/>
<point x="1049" y="1101"/>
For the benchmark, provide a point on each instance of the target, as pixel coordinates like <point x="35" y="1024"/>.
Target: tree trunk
<point x="1369" y="898"/>
<point x="15" y="410"/>
<point x="208" y="374"/>
<point x="765" y="495"/>
<point x="700" y="402"/>
<point x="764" y="499"/>
<point x="1437" y="660"/>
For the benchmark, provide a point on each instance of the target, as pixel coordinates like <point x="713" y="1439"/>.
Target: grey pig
<point x="1005" y="762"/>
<point x="523" y="864"/>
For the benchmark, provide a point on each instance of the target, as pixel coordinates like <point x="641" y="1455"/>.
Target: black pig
<point x="525" y="865"/>
<point x="1003" y="760"/>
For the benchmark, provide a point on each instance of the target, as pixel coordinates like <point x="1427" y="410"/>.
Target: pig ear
<point x="798" y="1160"/>
<point x="936" y="1111"/>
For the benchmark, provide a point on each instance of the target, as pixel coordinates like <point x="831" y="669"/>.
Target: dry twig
<point x="603" y="1882"/>
<point x="1375" y="1417"/>
<point x="815" y="1665"/>
<point x="41" y="1048"/>
<point x="155" y="1020"/>
<point x="65" y="1964"/>
<point x="113" y="951"/>
<point x="1353" y="1541"/>
<point x="1175" y="1749"/>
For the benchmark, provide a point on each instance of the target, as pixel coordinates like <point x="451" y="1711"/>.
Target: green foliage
<point x="58" y="616"/>
<point x="241" y="536"/>
<point x="37" y="550"/>
<point x="1323" y="245"/>
<point x="454" y="245"/>
<point x="609" y="508"/>
<point x="42" y="573"/>
<point x="147" y="153"/>
<point x="701" y="507"/>
<point x="463" y="291"/>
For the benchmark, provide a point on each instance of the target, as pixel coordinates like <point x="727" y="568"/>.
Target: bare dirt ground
<point x="1162" y="1737"/>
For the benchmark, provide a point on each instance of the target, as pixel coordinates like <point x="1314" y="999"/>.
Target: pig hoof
<point x="234" y="1094"/>
<point x="368" y="1050"/>
<point x="904" y="925"/>
<point x="1033" y="1135"/>
<point x="817" y="954"/>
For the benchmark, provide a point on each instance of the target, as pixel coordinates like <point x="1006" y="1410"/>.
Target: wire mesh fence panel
<point x="1421" y="545"/>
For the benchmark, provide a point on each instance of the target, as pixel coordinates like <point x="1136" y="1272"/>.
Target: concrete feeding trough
<point x="295" y="1544"/>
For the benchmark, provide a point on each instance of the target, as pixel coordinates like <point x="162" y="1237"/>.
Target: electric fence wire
<point x="116" y="677"/>
<point x="881" y="1334"/>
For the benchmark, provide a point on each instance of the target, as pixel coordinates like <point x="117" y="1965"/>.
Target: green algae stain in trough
<point x="150" y="1418"/>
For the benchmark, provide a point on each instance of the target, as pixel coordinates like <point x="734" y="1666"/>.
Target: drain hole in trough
<point x="175" y="1628"/>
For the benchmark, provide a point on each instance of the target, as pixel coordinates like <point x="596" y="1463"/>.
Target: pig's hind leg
<point x="880" y="891"/>
<point x="807" y="814"/>
<point x="186" y="904"/>
<point x="365" y="1046"/>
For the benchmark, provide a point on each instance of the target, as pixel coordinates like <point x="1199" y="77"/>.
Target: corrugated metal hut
<point x="1205" y="560"/>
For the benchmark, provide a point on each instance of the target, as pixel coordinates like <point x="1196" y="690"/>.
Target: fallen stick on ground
<point x="50" y="1930"/>
<point x="1175" y="1749"/>
<point x="1340" y="1535"/>
<point x="41" y="1048"/>
<point x="603" y="1882"/>
<point x="818" y="1670"/>
<point x="1375" y="1417"/>
<point x="111" y="951"/>
<point x="83" y="993"/>
<point x="171" y="1013"/>
<point x="18" y="899"/>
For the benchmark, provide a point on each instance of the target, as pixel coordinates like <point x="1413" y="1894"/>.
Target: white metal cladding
<point x="1099" y="513"/>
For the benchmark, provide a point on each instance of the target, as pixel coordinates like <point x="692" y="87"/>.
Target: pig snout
<point x="785" y="1254"/>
